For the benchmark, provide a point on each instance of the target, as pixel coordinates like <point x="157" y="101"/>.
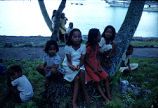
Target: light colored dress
<point x="75" y="57"/>
<point x="125" y="59"/>
<point x="103" y="46"/>
<point x="50" y="61"/>
<point x="24" y="87"/>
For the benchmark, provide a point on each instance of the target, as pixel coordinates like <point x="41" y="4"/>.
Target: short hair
<point x="130" y="47"/>
<point x="69" y="41"/>
<point x="14" y="68"/>
<point x="49" y="43"/>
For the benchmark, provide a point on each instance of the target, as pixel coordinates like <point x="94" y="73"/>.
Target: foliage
<point x="145" y="77"/>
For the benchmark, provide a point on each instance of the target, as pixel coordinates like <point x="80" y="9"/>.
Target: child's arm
<point x="128" y="64"/>
<point x="89" y="64"/>
<point x="81" y="61"/>
<point x="70" y="62"/>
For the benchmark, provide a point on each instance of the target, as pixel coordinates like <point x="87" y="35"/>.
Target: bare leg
<point x="83" y="87"/>
<point x="107" y="88"/>
<point x="75" y="92"/>
<point x="101" y="92"/>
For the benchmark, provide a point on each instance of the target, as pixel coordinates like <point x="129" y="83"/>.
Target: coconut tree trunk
<point x="45" y="14"/>
<point x="55" y="34"/>
<point x="127" y="30"/>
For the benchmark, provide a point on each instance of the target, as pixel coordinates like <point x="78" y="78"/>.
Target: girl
<point x="73" y="63"/>
<point x="107" y="49"/>
<point x="51" y="61"/>
<point x="92" y="65"/>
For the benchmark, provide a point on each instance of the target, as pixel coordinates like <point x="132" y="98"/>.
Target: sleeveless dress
<point x="90" y="74"/>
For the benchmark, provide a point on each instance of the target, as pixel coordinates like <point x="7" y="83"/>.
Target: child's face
<point x="52" y="50"/>
<point x="76" y="38"/>
<point x="129" y="51"/>
<point x="108" y="33"/>
<point x="15" y="75"/>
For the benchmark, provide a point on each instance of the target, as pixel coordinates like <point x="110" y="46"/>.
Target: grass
<point x="145" y="77"/>
<point x="145" y="43"/>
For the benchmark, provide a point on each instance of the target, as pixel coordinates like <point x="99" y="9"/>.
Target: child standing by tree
<point x="20" y="88"/>
<point x="126" y="66"/>
<point x="51" y="61"/>
<point x="73" y="63"/>
<point x="107" y="49"/>
<point x="92" y="64"/>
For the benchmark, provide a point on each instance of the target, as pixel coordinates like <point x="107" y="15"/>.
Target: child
<point x="126" y="66"/>
<point x="20" y="88"/>
<point x="73" y="63"/>
<point x="92" y="64"/>
<point x="51" y="61"/>
<point x="107" y="49"/>
<point x="68" y="30"/>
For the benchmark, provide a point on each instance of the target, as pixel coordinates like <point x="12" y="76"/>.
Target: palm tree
<point x="55" y="32"/>
<point x="45" y="14"/>
<point x="128" y="28"/>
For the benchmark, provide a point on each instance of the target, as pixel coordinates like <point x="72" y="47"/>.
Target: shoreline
<point x="39" y="41"/>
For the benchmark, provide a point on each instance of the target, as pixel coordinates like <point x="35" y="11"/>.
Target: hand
<point x="53" y="70"/>
<point x="99" y="70"/>
<point x="73" y="67"/>
<point x="78" y="67"/>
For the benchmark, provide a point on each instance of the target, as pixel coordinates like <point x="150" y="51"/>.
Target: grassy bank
<point x="39" y="41"/>
<point x="145" y="78"/>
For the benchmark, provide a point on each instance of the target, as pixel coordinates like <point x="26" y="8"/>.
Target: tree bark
<point x="45" y="14"/>
<point x="55" y="34"/>
<point x="127" y="30"/>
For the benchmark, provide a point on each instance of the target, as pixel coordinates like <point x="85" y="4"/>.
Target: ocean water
<point x="24" y="18"/>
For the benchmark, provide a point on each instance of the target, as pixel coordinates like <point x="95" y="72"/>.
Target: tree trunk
<point x="45" y="14"/>
<point x="55" y="34"/>
<point x="127" y="30"/>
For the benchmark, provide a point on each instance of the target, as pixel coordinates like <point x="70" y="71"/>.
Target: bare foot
<point x="74" y="105"/>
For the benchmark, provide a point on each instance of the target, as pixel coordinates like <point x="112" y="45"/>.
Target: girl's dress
<point x="75" y="57"/>
<point x="91" y="75"/>
<point x="50" y="61"/>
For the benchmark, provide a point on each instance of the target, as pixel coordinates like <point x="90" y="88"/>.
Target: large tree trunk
<point x="55" y="33"/>
<point x="127" y="30"/>
<point x="45" y="14"/>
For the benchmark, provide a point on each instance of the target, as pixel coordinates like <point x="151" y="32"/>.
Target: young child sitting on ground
<point x="20" y="88"/>
<point x="126" y="66"/>
<point x="51" y="62"/>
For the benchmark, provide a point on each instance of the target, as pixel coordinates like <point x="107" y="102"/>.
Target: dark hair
<point x="14" y="68"/>
<point x="49" y="43"/>
<point x="92" y="36"/>
<point x="69" y="41"/>
<point x="130" y="47"/>
<point x="113" y="32"/>
<point x="129" y="50"/>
